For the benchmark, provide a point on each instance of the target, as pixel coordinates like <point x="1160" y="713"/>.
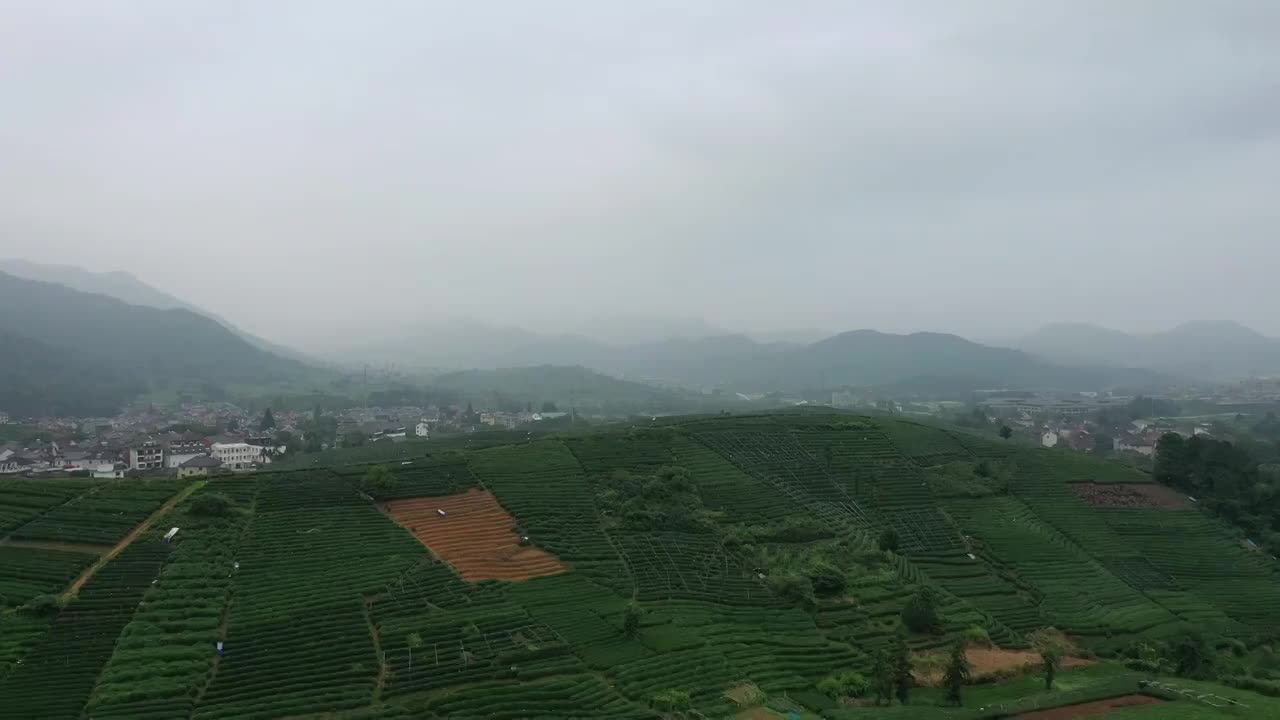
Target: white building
<point x="180" y="453"/>
<point x="238" y="456"/>
<point x="1049" y="438"/>
<point x="147" y="456"/>
<point x="107" y="471"/>
<point x="422" y="430"/>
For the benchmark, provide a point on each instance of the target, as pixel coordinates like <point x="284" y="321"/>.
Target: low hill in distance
<point x="1205" y="350"/>
<point x="572" y="388"/>
<point x="79" y="352"/>
<point x="747" y="566"/>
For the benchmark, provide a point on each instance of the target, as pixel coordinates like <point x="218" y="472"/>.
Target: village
<point x="198" y="439"/>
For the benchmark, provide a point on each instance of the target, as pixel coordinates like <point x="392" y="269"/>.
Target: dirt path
<point x="128" y="539"/>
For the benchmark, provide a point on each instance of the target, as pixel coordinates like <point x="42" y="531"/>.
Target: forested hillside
<point x="800" y="563"/>
<point x="84" y="353"/>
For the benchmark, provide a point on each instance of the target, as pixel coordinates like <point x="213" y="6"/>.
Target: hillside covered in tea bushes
<point x="687" y="567"/>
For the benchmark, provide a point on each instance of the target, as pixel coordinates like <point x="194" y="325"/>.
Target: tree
<point x="1103" y="444"/>
<point x="355" y="438"/>
<point x="884" y="677"/>
<point x="889" y="540"/>
<point x="958" y="672"/>
<point x="1192" y="656"/>
<point x="631" y="620"/>
<point x="528" y="406"/>
<point x="1052" y="646"/>
<point x="378" y="480"/>
<point x="268" y="421"/>
<point x="549" y="407"/>
<point x="902" y="679"/>
<point x="233" y="424"/>
<point x="921" y="613"/>
<point x="1006" y="432"/>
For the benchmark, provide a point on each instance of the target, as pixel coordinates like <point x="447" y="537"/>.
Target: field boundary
<point x="125" y="542"/>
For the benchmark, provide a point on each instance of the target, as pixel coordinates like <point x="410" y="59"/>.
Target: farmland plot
<point x="56" y="677"/>
<point x="165" y="654"/>
<point x="23" y="500"/>
<point x="298" y="639"/>
<point x="474" y="534"/>
<point x="103" y="516"/>
<point x="683" y="565"/>
<point x="27" y="572"/>
<point x="542" y="485"/>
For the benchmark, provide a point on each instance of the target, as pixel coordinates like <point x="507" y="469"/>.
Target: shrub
<point x="796" y="588"/>
<point x="43" y="605"/>
<point x="211" y="504"/>
<point x="977" y="635"/>
<point x="671" y="701"/>
<point x="849" y="684"/>
<point x="631" y="620"/>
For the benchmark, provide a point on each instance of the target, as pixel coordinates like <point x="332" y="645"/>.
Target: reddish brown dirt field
<point x="1097" y="707"/>
<point x="986" y="661"/>
<point x="1139" y="495"/>
<point x="475" y="536"/>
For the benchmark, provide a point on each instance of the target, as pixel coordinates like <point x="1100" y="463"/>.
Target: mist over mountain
<point x="66" y="351"/>
<point x="127" y="288"/>
<point x="1215" y="350"/>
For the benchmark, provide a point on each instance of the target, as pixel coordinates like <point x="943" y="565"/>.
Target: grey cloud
<point x="975" y="167"/>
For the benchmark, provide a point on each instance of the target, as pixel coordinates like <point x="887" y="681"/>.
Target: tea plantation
<point x="712" y="568"/>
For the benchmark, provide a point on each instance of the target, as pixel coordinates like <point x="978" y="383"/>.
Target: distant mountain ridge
<point x="63" y="351"/>
<point x="127" y="288"/>
<point x="1204" y="350"/>
<point x="860" y="358"/>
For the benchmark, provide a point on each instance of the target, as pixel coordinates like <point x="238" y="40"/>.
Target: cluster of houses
<point x="1140" y="438"/>
<point x="181" y="457"/>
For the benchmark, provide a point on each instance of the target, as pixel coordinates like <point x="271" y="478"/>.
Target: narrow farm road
<point x="119" y="547"/>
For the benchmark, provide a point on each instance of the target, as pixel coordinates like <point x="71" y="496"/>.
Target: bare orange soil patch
<point x="995" y="661"/>
<point x="1097" y="707"/>
<point x="475" y="535"/>
<point x="1151" y="495"/>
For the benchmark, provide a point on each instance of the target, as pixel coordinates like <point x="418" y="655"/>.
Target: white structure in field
<point x="1049" y="438"/>
<point x="421" y="429"/>
<point x="238" y="456"/>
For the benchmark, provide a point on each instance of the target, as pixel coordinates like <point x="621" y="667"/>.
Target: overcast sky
<point x="303" y="168"/>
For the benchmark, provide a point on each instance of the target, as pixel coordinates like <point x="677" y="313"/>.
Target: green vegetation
<point x="799" y="562"/>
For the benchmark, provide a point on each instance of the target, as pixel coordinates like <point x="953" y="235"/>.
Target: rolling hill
<point x="127" y="288"/>
<point x="112" y="350"/>
<point x="1205" y="350"/>
<point x="715" y="566"/>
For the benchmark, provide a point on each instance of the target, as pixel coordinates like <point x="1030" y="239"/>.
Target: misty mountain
<point x="53" y="334"/>
<point x="571" y="387"/>
<point x="862" y="358"/>
<point x="1205" y="350"/>
<point x="125" y="287"/>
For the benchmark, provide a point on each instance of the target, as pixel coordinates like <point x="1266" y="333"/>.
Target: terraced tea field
<point x="732" y="561"/>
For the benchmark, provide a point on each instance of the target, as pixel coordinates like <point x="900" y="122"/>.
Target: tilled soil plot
<point x="1137" y="495"/>
<point x="474" y="535"/>
<point x="1097" y="707"/>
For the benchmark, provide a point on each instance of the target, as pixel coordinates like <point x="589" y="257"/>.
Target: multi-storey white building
<point x="237" y="456"/>
<point x="147" y="456"/>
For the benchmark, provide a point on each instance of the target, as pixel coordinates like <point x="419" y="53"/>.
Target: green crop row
<point x="23" y="500"/>
<point x="298" y="638"/>
<point x="166" y="653"/>
<point x="103" y="516"/>
<point x="26" y="572"/>
<point x="55" y="678"/>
